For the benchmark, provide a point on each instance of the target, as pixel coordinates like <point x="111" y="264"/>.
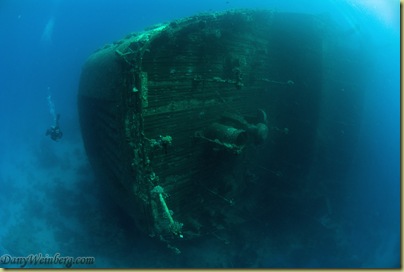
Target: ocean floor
<point x="52" y="204"/>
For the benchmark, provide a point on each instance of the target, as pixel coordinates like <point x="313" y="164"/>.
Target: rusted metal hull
<point x="174" y="118"/>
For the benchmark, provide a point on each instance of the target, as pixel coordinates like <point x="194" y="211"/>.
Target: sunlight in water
<point x="46" y="37"/>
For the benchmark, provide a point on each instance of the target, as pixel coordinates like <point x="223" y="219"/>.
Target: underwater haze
<point x="342" y="212"/>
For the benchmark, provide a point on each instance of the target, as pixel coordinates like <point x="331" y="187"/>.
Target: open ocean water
<point x="51" y="203"/>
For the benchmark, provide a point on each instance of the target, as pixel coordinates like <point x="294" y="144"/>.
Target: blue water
<point x="50" y="201"/>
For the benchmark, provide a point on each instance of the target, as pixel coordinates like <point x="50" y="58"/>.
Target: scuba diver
<point x="54" y="131"/>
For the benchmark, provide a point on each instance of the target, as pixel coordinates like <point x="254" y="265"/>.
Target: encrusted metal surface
<point x="159" y="111"/>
